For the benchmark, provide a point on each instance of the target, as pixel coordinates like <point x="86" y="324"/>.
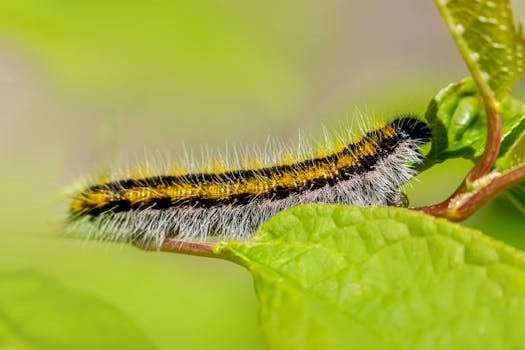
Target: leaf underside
<point x="489" y="41"/>
<point x="492" y="46"/>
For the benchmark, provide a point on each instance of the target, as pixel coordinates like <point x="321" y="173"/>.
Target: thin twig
<point x="492" y="145"/>
<point x="464" y="204"/>
<point x="184" y="247"/>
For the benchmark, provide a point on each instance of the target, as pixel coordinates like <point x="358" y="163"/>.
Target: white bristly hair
<point x="149" y="226"/>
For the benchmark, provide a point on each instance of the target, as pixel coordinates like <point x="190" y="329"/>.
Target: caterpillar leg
<point x="399" y="199"/>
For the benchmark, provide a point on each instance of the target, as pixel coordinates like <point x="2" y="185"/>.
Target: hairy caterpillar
<point x="232" y="203"/>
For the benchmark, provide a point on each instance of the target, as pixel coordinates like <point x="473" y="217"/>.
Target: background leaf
<point x="340" y="277"/>
<point x="110" y="45"/>
<point x="38" y="313"/>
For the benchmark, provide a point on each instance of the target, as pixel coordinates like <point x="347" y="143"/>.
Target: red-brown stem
<point x="184" y="247"/>
<point x="476" y="199"/>
<point x="492" y="145"/>
<point x="447" y="208"/>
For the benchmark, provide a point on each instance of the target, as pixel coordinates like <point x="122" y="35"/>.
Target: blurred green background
<point x="85" y="84"/>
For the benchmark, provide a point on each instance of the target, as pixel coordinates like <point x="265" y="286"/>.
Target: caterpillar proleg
<point x="233" y="203"/>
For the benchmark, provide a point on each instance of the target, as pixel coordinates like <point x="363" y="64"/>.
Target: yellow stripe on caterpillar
<point x="232" y="203"/>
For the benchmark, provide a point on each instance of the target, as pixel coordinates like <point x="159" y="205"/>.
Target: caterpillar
<point x="233" y="203"/>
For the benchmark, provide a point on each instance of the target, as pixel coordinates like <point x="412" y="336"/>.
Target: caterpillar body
<point x="233" y="203"/>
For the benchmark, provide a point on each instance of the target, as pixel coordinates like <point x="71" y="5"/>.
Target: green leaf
<point x="459" y="127"/>
<point x="493" y="49"/>
<point x="36" y="312"/>
<point x="513" y="157"/>
<point x="517" y="196"/>
<point x="513" y="148"/>
<point x="490" y="43"/>
<point x="342" y="277"/>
